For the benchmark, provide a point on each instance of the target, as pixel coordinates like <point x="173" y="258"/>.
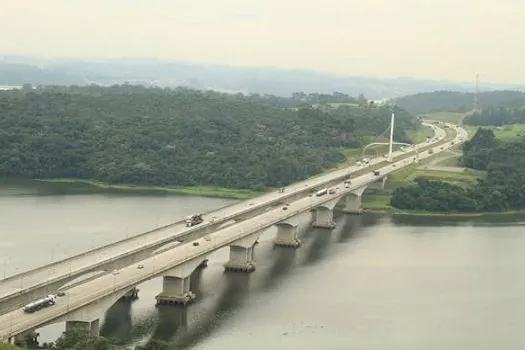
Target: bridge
<point x="167" y="252"/>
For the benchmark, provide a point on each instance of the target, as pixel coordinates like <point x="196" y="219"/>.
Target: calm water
<point x="372" y="283"/>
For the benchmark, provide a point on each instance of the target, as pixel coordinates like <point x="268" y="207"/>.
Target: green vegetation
<point x="502" y="189"/>
<point x="497" y="116"/>
<point x="421" y="134"/>
<point x="450" y="161"/>
<point x="380" y="199"/>
<point x="204" y="191"/>
<point x="185" y="140"/>
<point x="4" y="346"/>
<point x="510" y="132"/>
<point x="453" y="101"/>
<point x="448" y="117"/>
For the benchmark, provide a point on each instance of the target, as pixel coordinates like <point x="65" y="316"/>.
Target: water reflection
<point x="284" y="264"/>
<point x="231" y="299"/>
<point x="317" y="249"/>
<point x="350" y="226"/>
<point x="117" y="324"/>
<point x="172" y="321"/>
<point x="459" y="220"/>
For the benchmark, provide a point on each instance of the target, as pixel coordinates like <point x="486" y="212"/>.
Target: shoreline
<point x="240" y="194"/>
<point x="402" y="212"/>
<point x="202" y="191"/>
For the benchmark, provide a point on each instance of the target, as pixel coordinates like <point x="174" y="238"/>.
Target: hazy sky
<point x="437" y="39"/>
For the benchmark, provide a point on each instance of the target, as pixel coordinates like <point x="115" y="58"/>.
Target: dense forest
<point x="137" y="135"/>
<point x="496" y="116"/>
<point x="453" y="101"/>
<point x="503" y="188"/>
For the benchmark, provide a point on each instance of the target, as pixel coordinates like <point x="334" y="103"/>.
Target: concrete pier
<point x="93" y="327"/>
<point x="26" y="339"/>
<point x="241" y="259"/>
<point x="287" y="236"/>
<point x="324" y="218"/>
<point x="353" y="205"/>
<point x="175" y="291"/>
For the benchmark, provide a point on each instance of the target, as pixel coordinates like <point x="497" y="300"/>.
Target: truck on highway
<point x="321" y="192"/>
<point x="194" y="220"/>
<point x="40" y="304"/>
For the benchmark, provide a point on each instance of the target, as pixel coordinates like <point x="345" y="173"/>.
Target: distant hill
<point x="17" y="70"/>
<point x="454" y="101"/>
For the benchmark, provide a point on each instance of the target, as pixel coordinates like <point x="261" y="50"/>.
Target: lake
<point x="374" y="282"/>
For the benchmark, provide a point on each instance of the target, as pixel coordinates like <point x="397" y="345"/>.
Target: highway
<point x="16" y="322"/>
<point x="14" y="286"/>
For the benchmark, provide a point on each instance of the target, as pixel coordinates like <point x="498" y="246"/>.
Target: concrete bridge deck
<point x="48" y="278"/>
<point x="16" y="322"/>
<point x="17" y="290"/>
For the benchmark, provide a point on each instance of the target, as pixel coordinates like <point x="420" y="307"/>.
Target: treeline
<point x="497" y="116"/>
<point x="502" y="189"/>
<point x="137" y="135"/>
<point x="454" y="101"/>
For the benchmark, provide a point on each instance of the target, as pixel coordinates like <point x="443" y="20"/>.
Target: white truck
<point x="321" y="192"/>
<point x="40" y="303"/>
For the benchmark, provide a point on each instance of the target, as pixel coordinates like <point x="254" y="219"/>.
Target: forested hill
<point x="453" y="101"/>
<point x="130" y="134"/>
<point x="497" y="116"/>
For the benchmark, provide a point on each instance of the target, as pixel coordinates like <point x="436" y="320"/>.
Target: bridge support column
<point x="287" y="234"/>
<point x="175" y="290"/>
<point x="27" y="339"/>
<point x="383" y="182"/>
<point x="93" y="327"/>
<point x="353" y="205"/>
<point x="241" y="259"/>
<point x="287" y="237"/>
<point x="324" y="218"/>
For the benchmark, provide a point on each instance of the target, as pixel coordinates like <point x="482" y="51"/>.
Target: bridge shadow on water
<point x="117" y="324"/>
<point x="184" y="327"/>
<point x="173" y="319"/>
<point x="353" y="225"/>
<point x="231" y="299"/>
<point x="284" y="264"/>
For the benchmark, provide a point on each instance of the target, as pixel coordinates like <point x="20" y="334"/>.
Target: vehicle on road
<point x="376" y="172"/>
<point x="194" y="220"/>
<point x="140" y="266"/>
<point x="321" y="192"/>
<point x="49" y="300"/>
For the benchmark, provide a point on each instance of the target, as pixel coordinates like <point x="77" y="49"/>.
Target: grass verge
<point x="204" y="191"/>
